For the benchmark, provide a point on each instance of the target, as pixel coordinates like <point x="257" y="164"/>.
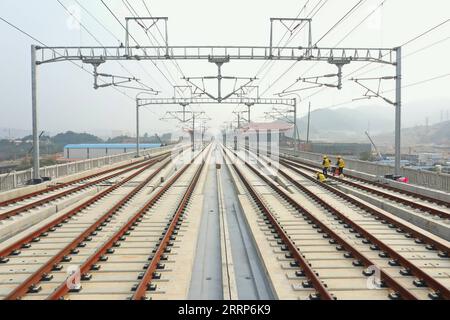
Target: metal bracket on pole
<point x="314" y="80"/>
<point x="139" y="21"/>
<point x="291" y="29"/>
<point x="195" y="116"/>
<point x="219" y="62"/>
<point x="369" y="94"/>
<point x="116" y="81"/>
<point x="339" y="63"/>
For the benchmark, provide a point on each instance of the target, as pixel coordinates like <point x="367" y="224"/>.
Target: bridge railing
<point x="16" y="179"/>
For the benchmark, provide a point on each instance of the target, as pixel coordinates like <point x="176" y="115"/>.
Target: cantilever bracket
<point x="369" y="94"/>
<point x="116" y="81"/>
<point x="339" y="63"/>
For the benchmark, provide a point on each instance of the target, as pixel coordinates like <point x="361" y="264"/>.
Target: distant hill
<point x="71" y="137"/>
<point x="11" y="133"/>
<point x="349" y="124"/>
<point x="345" y="124"/>
<point x="438" y="134"/>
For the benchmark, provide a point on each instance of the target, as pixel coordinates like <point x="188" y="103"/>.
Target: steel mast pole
<point x="138" y="153"/>
<point x="36" y="165"/>
<point x="193" y="132"/>
<point x="138" y="144"/>
<point x="309" y="122"/>
<point x="398" y="109"/>
<point x="295" y="126"/>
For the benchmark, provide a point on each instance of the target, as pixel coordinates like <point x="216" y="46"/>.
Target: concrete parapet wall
<point x="13" y="180"/>
<point x="432" y="180"/>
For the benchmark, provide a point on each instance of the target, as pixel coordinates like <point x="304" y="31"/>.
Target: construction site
<point x="251" y="196"/>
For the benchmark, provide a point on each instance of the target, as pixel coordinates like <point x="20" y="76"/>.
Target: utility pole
<point x="398" y="109"/>
<point x="309" y="122"/>
<point x="239" y="117"/>
<point x="138" y="105"/>
<point x="296" y="135"/>
<point x="174" y="115"/>
<point x="193" y="132"/>
<point x="36" y="160"/>
<point x="138" y="153"/>
<point x="249" y="105"/>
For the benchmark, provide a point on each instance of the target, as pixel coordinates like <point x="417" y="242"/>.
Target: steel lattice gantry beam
<point x="55" y="54"/>
<point x="187" y="101"/>
<point x="98" y="55"/>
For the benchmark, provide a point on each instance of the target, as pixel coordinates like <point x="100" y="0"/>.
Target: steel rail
<point x="432" y="211"/>
<point x="14" y="248"/>
<point x="62" y="185"/>
<point x="405" y="192"/>
<point x="37" y="203"/>
<point x="361" y="259"/>
<point x="43" y="273"/>
<point x="397" y="259"/>
<point x="433" y="244"/>
<point x="113" y="241"/>
<point x="145" y="282"/>
<point x="303" y="264"/>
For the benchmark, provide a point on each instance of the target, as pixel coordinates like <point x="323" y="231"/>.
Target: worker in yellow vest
<point x="321" y="177"/>
<point x="340" y="164"/>
<point x="326" y="164"/>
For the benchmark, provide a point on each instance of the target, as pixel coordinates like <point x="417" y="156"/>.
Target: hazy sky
<point x="68" y="101"/>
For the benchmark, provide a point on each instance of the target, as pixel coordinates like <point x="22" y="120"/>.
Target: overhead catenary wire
<point x="406" y="43"/>
<point x="134" y="13"/>
<point x="319" y="5"/>
<point x="413" y="84"/>
<point x="162" y="37"/>
<point x="346" y="15"/>
<point x="118" y="40"/>
<point x="340" y="41"/>
<point x="406" y="56"/>
<point x="175" y="63"/>
<point x="268" y="62"/>
<point x="143" y="86"/>
<point x="314" y="11"/>
<point x="134" y="39"/>
<point x="72" y="62"/>
<point x="56" y="53"/>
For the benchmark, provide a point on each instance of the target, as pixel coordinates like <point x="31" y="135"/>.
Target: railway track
<point x="431" y="206"/>
<point x="138" y="239"/>
<point x="353" y="200"/>
<point x="107" y="244"/>
<point x="308" y="226"/>
<point x="36" y="200"/>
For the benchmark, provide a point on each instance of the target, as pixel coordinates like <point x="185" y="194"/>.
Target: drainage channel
<point x="206" y="281"/>
<point x="251" y="280"/>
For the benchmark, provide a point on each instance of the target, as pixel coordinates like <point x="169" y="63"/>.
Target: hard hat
<point x="325" y="157"/>
<point x="339" y="157"/>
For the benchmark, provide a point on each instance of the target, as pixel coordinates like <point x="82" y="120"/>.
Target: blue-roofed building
<point x="98" y="150"/>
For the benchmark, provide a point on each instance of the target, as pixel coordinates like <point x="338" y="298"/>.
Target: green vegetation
<point x="22" y="148"/>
